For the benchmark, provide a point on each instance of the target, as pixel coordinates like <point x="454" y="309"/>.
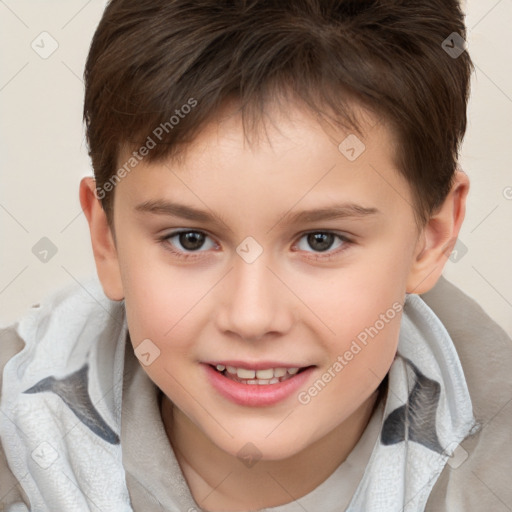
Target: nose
<point x="255" y="303"/>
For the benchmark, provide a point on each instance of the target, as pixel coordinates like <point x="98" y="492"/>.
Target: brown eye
<point x="318" y="244"/>
<point x="188" y="241"/>
<point x="320" y="241"/>
<point x="191" y="240"/>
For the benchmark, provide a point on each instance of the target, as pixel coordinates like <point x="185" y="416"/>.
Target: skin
<point x="285" y="306"/>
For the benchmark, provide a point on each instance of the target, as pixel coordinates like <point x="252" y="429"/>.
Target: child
<point x="257" y="370"/>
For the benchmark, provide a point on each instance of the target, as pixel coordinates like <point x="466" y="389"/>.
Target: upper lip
<point x="255" y="365"/>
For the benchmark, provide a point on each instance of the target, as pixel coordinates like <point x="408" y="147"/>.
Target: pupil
<point x="324" y="240"/>
<point x="190" y="239"/>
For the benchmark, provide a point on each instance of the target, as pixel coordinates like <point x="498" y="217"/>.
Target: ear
<point x="438" y="237"/>
<point x="103" y="245"/>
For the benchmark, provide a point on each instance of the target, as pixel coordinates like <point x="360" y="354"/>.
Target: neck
<point x="218" y="481"/>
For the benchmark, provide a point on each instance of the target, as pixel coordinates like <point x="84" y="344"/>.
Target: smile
<point x="256" y="387"/>
<point x="256" y="377"/>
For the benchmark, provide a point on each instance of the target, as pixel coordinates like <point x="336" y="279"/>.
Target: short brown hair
<point x="150" y="58"/>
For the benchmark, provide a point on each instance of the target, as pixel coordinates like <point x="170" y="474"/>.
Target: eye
<point x="191" y="241"/>
<point x="322" y="241"/>
<point x="188" y="240"/>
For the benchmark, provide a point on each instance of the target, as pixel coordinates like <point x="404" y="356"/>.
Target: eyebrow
<point x="332" y="212"/>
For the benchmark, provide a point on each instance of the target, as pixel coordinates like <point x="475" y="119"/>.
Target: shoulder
<point x="61" y="316"/>
<point x="484" y="348"/>
<point x="10" y="490"/>
<point x="477" y="475"/>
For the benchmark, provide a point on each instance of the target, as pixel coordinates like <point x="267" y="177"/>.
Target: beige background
<point x="43" y="154"/>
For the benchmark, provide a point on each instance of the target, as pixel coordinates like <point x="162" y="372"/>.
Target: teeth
<point x="267" y="376"/>
<point x="264" y="374"/>
<point x="242" y="373"/>
<point x="260" y="382"/>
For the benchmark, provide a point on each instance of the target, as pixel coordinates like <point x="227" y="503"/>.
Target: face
<point x="236" y="287"/>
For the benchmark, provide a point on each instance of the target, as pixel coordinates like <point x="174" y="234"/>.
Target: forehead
<point x="281" y="128"/>
<point x="293" y="160"/>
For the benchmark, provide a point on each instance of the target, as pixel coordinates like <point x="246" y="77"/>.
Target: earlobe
<point x="438" y="238"/>
<point x="103" y="245"/>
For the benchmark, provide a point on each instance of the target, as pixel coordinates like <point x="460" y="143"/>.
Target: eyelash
<point x="319" y="256"/>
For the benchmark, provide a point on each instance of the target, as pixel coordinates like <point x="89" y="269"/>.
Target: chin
<point x="260" y="447"/>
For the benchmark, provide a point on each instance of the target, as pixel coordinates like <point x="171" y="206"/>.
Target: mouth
<point x="261" y="377"/>
<point x="264" y="384"/>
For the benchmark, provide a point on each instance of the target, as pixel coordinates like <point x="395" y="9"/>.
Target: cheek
<point x="360" y="355"/>
<point x="374" y="326"/>
<point x="373" y="347"/>
<point x="354" y="299"/>
<point x="159" y="312"/>
<point x="158" y="295"/>
<point x="364" y="310"/>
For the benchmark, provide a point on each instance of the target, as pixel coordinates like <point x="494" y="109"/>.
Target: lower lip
<point x="256" y="395"/>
